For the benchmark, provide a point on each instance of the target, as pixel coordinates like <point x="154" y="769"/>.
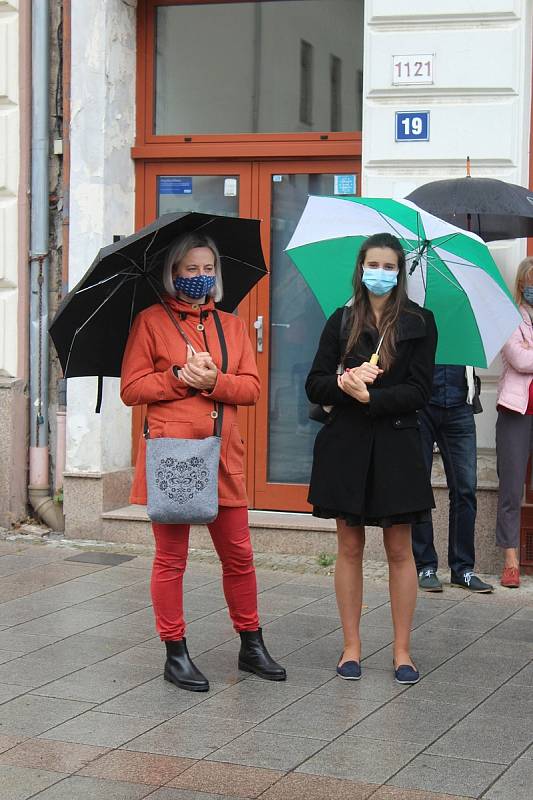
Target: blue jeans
<point x="454" y="431"/>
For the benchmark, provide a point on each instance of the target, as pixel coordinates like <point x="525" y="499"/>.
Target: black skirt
<point x="352" y="520"/>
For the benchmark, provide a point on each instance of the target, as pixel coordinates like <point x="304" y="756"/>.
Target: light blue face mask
<point x="379" y="281"/>
<point x="527" y="294"/>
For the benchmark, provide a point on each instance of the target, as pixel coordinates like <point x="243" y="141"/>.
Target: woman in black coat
<point x="368" y="467"/>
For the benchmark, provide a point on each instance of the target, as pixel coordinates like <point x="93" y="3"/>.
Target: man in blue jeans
<point x="448" y="420"/>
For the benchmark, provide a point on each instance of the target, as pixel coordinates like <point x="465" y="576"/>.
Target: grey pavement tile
<point x="66" y="622"/>
<point x="10" y="690"/>
<point x="251" y="701"/>
<point x="18" y="562"/>
<point x="116" y="577"/>
<point x="83" y="649"/>
<point x="303" y="627"/>
<point x="20" y="783"/>
<point x="437" y="692"/>
<point x="137" y="627"/>
<point x="479" y="737"/>
<point x="425" y="658"/>
<point x="420" y="723"/>
<point x="455" y="776"/>
<point x="78" y="787"/>
<point x="156" y="698"/>
<point x="301" y="676"/>
<point x="8" y="655"/>
<point x="376" y="684"/>
<point x="102" y="730"/>
<point x="116" y="603"/>
<point x="194" y="579"/>
<point x="268" y="750"/>
<point x="279" y="604"/>
<point x="205" y="634"/>
<point x="524" y="677"/>
<point x="509" y="700"/>
<point x="220" y="665"/>
<point x="187" y="794"/>
<point x="490" y="671"/>
<point x="69" y="593"/>
<point x="24" y="609"/>
<point x="189" y="736"/>
<point x="32" y="672"/>
<point x="451" y="640"/>
<point x="99" y="682"/>
<point x="496" y="647"/>
<point x="37" y="578"/>
<point x="325" y="716"/>
<point x="473" y="616"/>
<point x="29" y="715"/>
<point x="146" y="654"/>
<point x="515" y="784"/>
<point x="100" y="557"/>
<point x="11" y="639"/>
<point x="361" y="759"/>
<point x="524" y="613"/>
<point x="295" y="588"/>
<point x="513" y="630"/>
<point x="528" y="753"/>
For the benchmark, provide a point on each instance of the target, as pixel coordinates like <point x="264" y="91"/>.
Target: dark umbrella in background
<point x="491" y="208"/>
<point x="91" y="326"/>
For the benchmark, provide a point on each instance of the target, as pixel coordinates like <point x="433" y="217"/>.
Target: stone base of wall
<point x="88" y="495"/>
<point x="13" y="451"/>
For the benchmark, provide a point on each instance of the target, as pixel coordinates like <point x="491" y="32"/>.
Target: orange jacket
<point x="174" y="409"/>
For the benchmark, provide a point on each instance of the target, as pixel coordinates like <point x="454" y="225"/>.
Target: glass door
<point x="288" y="324"/>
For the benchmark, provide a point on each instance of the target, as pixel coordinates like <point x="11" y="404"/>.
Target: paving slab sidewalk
<point x="85" y="713"/>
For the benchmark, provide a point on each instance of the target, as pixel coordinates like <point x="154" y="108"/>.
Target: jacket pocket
<point x="177" y="429"/>
<point x="234" y="451"/>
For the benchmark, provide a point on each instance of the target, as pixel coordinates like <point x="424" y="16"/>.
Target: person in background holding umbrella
<point x="368" y="467"/>
<point x="514" y="428"/>
<point x="179" y="389"/>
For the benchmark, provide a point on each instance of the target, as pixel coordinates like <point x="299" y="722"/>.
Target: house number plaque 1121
<point x="412" y="69"/>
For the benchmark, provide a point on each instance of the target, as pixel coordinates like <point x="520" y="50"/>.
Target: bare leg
<point x="349" y="586"/>
<point x="510" y="555"/>
<point x="402" y="588"/>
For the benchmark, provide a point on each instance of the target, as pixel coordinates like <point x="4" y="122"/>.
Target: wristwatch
<point x="176" y="370"/>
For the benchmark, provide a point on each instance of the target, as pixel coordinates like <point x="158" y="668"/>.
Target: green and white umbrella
<point x="450" y="271"/>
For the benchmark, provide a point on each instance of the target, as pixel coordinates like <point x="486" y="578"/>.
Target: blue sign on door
<point x="175" y="184"/>
<point x="412" y="126"/>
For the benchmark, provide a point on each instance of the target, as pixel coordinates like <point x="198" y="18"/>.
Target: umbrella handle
<point x="374" y="358"/>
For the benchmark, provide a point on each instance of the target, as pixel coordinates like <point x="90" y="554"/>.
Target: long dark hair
<point x="362" y="316"/>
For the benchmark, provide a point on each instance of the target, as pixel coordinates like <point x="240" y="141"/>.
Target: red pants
<point x="231" y="538"/>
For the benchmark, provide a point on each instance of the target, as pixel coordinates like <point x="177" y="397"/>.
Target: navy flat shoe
<point x="406" y="674"/>
<point x="349" y="671"/>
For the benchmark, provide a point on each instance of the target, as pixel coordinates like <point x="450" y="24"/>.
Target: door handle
<point x="258" y="325"/>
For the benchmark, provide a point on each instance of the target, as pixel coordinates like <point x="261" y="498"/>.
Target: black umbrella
<point x="491" y="208"/>
<point x="92" y="323"/>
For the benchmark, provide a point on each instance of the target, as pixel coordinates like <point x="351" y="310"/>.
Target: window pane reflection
<point x="259" y="67"/>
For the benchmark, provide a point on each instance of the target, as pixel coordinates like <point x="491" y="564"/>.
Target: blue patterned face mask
<point x="527" y="294"/>
<point x="379" y="281"/>
<point x="196" y="287"/>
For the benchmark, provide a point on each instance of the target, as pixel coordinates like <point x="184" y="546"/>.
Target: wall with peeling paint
<point x="101" y="202"/>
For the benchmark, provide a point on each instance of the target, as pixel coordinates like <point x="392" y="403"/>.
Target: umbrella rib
<point x="89" y="318"/>
<point x="105" y="280"/>
<point x="171" y="316"/>
<point x="240" y="260"/>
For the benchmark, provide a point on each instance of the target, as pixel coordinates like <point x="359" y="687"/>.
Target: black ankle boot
<point x="179" y="668"/>
<point x="254" y="657"/>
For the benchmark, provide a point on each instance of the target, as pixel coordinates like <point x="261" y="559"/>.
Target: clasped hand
<point x="354" y="381"/>
<point x="200" y="372"/>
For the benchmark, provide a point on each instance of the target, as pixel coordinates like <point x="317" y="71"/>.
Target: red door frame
<point x="149" y="151"/>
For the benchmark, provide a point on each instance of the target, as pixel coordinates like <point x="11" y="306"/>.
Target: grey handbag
<point x="182" y="474"/>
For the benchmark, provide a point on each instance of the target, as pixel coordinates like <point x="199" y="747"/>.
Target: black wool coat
<point x="367" y="458"/>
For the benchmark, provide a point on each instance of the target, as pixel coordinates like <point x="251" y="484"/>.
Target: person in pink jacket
<point x="514" y="427"/>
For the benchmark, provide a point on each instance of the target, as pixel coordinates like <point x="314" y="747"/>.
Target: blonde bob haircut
<point x="524" y="269"/>
<point x="177" y="251"/>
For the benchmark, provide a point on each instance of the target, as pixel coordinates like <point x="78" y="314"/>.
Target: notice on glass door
<point x="230" y="187"/>
<point x="345" y="184"/>
<point x="175" y="184"/>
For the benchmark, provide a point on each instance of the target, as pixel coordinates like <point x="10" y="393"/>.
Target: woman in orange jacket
<point x="180" y="390"/>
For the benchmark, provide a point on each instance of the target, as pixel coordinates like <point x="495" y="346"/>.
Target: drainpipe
<point x="39" y="483"/>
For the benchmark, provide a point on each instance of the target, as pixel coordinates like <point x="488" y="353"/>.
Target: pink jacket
<point x="517" y="357"/>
